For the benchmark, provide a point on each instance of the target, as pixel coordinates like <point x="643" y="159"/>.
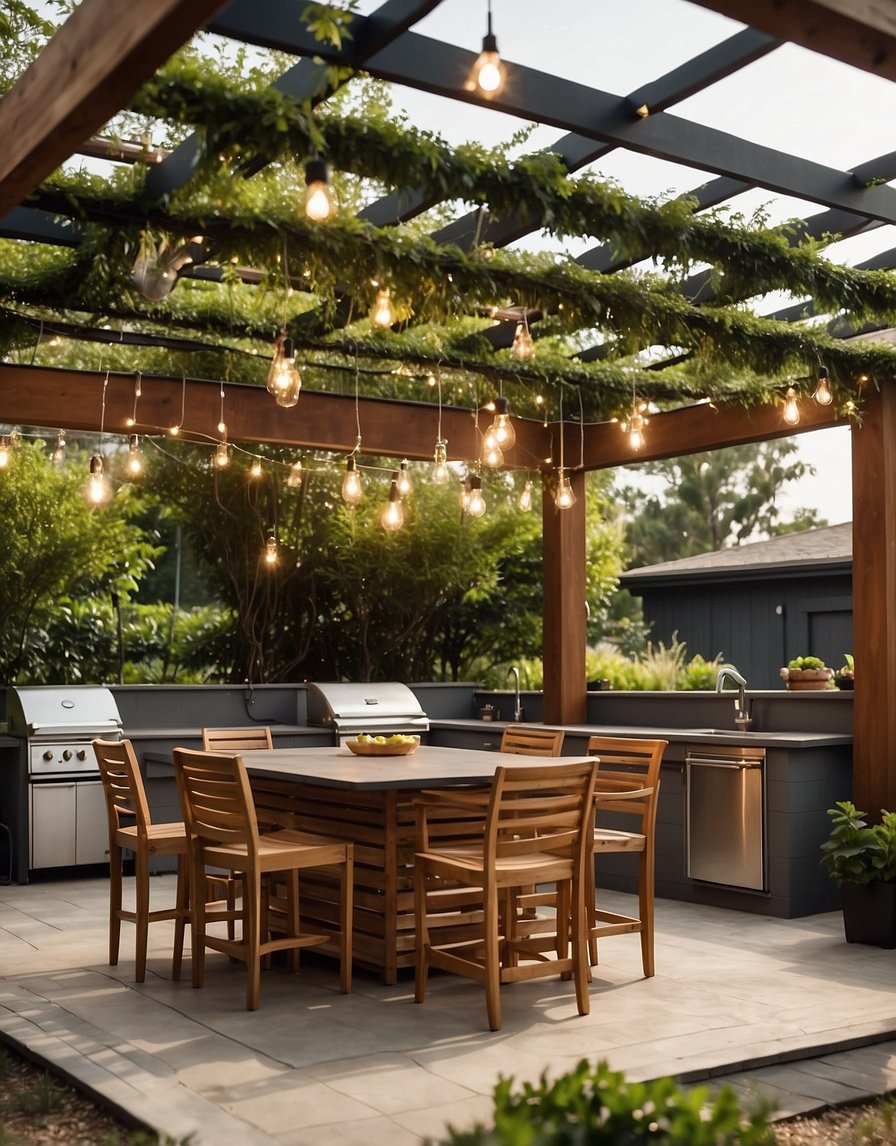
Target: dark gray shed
<point x="758" y="605"/>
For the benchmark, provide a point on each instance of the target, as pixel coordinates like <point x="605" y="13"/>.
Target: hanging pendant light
<point x="564" y="498"/>
<point x="523" y="348"/>
<point x="404" y="480"/>
<point x="222" y="455"/>
<point x="502" y="427"/>
<point x="294" y="477"/>
<point x="98" y="491"/>
<point x="318" y="194"/>
<point x="284" y="380"/>
<point x="636" y="422"/>
<point x="351" y="483"/>
<point x="256" y="470"/>
<point x="489" y="74"/>
<point x="525" y="500"/>
<point x="392" y="517"/>
<point x="271" y="556"/>
<point x="492" y="455"/>
<point x="58" y="455"/>
<point x="382" y="313"/>
<point x="475" y="506"/>
<point x="791" y="413"/>
<point x="135" y="458"/>
<point x="823" y="395"/>
<point x="441" y="473"/>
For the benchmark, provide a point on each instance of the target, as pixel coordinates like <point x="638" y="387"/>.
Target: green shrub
<point x="659" y="668"/>
<point x="593" y="1105"/>
<point x="857" y="853"/>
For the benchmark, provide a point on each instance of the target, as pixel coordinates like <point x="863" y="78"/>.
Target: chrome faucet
<point x="742" y="716"/>
<point x="517" y="708"/>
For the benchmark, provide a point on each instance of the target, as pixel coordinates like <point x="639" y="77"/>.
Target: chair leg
<point x="492" y="960"/>
<point x="581" y="928"/>
<point x="197" y="922"/>
<point x="421" y="965"/>
<point x="293" y="919"/>
<point x="347" y="892"/>
<point x="182" y="906"/>
<point x="252" y="939"/>
<point x="646" y="882"/>
<point x="115" y="862"/>
<point x="141" y="866"/>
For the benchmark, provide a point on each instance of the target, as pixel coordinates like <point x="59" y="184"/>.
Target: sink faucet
<point x="742" y="716"/>
<point x="517" y="708"/>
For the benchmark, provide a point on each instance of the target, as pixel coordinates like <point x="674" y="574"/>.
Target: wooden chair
<point x="631" y="769"/>
<point x="537" y="827"/>
<point x="131" y="829"/>
<point x="524" y="740"/>
<point x="222" y="830"/>
<point x="237" y="739"/>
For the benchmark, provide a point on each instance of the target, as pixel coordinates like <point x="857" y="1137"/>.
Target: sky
<point x="791" y="99"/>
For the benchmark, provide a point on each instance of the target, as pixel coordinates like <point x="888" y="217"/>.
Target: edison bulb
<point x="525" y="501"/>
<point x="564" y="498"/>
<point x="58" y="455"/>
<point x="440" y="473"/>
<point x="791" y="413"/>
<point x="351" y="483"/>
<point x="492" y="455"/>
<point x="382" y="313"/>
<point x="99" y="491"/>
<point x="255" y="470"/>
<point x="271" y="556"/>
<point x="502" y="427"/>
<point x="823" y="395"/>
<point x="523" y="347"/>
<point x="135" y="460"/>
<point x="475" y="506"/>
<point x="318" y="195"/>
<point x="490" y="73"/>
<point x="294" y="477"/>
<point x="222" y="455"/>
<point x="404" y="480"/>
<point x="392" y="517"/>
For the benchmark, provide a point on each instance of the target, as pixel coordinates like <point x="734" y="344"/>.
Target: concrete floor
<point x="783" y="1004"/>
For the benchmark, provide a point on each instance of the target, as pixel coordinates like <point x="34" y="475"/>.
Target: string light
<point x="222" y="425"/>
<point x="271" y="556"/>
<point x="525" y="500"/>
<point x="823" y="395"/>
<point x="175" y="429"/>
<point x="138" y="391"/>
<point x="382" y="313"/>
<point x="564" y="498"/>
<point x="492" y="454"/>
<point x="404" y="480"/>
<point x="222" y="455"/>
<point x="58" y="455"/>
<point x="318" y="194"/>
<point x="99" y="491"/>
<point x="392" y="517"/>
<point x="475" y="506"/>
<point x="502" y="427"/>
<point x="523" y="348"/>
<point x="791" y="413"/>
<point x="284" y="380"/>
<point x="636" y="422"/>
<point x="5" y="450"/>
<point x="351" y="483"/>
<point x="294" y="477"/>
<point x="441" y="473"/>
<point x="255" y="470"/>
<point x="489" y="73"/>
<point x="135" y="458"/>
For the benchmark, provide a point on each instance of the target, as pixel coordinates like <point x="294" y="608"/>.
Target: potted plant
<point x="861" y="859"/>
<point x="845" y="677"/>
<point x="804" y="673"/>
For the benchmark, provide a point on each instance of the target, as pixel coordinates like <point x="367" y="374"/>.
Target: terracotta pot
<point x="805" y="680"/>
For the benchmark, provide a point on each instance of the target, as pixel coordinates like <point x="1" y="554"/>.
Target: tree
<point x="711" y="501"/>
<point x="57" y="547"/>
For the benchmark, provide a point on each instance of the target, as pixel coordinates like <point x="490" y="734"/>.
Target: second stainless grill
<point x="379" y="709"/>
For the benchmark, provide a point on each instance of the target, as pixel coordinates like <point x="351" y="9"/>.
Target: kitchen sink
<point x="721" y="731"/>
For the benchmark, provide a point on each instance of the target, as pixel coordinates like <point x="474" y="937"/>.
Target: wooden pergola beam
<point x="858" y="32"/>
<point x="86" y="73"/>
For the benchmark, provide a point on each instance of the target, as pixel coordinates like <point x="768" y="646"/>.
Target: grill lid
<point x="345" y="704"/>
<point x="79" y="710"/>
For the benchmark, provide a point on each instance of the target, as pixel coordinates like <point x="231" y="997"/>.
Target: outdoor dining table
<point x="370" y="801"/>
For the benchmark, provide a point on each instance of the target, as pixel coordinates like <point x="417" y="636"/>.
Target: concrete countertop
<point x="759" y="739"/>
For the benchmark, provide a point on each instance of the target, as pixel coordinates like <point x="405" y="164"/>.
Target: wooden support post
<point x="874" y="597"/>
<point x="563" y="556"/>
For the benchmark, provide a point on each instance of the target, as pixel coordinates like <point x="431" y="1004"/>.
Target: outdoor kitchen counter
<point x="487" y="729"/>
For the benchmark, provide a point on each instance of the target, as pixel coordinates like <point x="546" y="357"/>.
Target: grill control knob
<point x="67" y="754"/>
<point x="48" y="755"/>
<point x="82" y="753"/>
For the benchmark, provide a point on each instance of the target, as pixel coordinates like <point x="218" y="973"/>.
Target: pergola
<point x="98" y="61"/>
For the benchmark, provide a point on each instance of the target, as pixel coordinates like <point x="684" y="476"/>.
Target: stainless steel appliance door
<point x="726" y="820"/>
<point x="67" y="823"/>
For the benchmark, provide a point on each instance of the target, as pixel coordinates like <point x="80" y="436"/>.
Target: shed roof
<point x="821" y="550"/>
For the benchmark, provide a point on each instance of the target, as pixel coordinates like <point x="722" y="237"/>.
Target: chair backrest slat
<point x="237" y="739"/>
<point x="523" y="740"/>
<point x="545" y="808"/>
<point x="627" y="764"/>
<point x="216" y="798"/>
<point x="126" y="802"/>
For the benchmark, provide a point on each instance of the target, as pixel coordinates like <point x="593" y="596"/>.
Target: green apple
<point x="364" y="738"/>
<point x="379" y="740"/>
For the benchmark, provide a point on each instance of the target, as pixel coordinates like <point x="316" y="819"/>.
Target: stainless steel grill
<point x="66" y="816"/>
<point x="379" y="709"/>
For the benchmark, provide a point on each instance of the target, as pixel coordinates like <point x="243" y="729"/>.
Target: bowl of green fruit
<point x="394" y="745"/>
